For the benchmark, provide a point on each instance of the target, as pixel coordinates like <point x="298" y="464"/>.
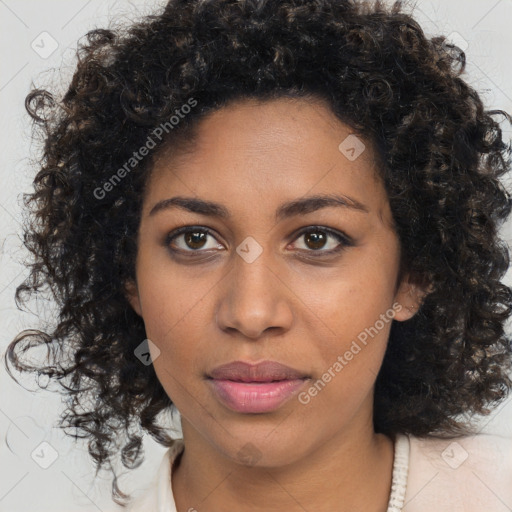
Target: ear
<point x="410" y="295"/>
<point x="131" y="293"/>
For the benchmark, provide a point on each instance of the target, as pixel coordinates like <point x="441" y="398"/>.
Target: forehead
<point x="286" y="147"/>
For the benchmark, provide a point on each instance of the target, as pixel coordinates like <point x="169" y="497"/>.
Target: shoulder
<point x="157" y="493"/>
<point x="466" y="474"/>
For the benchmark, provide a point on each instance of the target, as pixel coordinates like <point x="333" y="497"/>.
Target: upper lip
<point x="266" y="371"/>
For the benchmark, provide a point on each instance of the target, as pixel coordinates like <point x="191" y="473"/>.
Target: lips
<point x="267" y="371"/>
<point x="263" y="387"/>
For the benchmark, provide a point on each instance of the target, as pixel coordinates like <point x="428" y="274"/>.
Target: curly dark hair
<point x="441" y="153"/>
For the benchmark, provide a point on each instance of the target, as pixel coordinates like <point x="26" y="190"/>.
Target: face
<point x="309" y="285"/>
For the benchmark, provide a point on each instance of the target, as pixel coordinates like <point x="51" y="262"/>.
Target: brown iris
<point x="195" y="237"/>
<point x="316" y="239"/>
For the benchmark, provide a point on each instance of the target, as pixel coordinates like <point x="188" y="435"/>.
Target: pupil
<point x="192" y="238"/>
<point x="317" y="239"/>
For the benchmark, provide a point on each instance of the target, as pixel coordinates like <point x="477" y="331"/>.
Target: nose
<point x="254" y="299"/>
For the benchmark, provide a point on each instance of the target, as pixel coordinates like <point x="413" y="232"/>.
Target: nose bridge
<point x="253" y="298"/>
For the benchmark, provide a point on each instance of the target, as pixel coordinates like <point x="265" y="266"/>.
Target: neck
<point x="350" y="471"/>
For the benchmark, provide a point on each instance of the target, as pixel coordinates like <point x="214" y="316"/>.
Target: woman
<point x="281" y="220"/>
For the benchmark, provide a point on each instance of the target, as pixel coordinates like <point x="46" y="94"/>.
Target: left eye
<point x="315" y="240"/>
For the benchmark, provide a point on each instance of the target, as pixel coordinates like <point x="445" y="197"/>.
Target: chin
<point x="263" y="446"/>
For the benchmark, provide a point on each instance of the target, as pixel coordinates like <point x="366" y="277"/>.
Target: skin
<point x="291" y="304"/>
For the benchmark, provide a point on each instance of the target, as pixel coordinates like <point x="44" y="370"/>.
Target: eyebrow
<point x="300" y="206"/>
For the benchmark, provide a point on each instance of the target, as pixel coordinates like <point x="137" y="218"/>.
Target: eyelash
<point x="345" y="240"/>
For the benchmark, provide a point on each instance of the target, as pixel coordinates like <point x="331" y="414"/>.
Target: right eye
<point x="194" y="239"/>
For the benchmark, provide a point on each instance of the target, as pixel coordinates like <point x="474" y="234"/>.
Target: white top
<point x="466" y="474"/>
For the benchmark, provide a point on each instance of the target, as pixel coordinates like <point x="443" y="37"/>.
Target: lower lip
<point x="254" y="397"/>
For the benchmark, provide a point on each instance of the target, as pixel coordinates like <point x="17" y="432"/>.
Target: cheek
<point x="350" y="353"/>
<point x="174" y="312"/>
<point x="350" y="324"/>
<point x="360" y="313"/>
<point x="173" y="316"/>
<point x="351" y="298"/>
<point x="168" y="295"/>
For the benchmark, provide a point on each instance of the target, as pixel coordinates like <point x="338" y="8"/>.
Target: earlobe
<point x="410" y="296"/>
<point x="132" y="295"/>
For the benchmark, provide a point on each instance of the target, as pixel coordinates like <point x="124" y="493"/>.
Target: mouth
<point x="247" y="388"/>
<point x="266" y="371"/>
